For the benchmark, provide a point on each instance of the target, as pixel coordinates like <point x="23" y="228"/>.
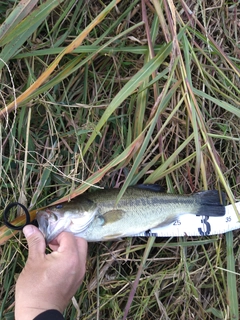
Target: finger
<point x="74" y="250"/>
<point x="69" y="244"/>
<point x="66" y="242"/>
<point x="36" y="242"/>
<point x="82" y="246"/>
<point x="53" y="247"/>
<point x="55" y="243"/>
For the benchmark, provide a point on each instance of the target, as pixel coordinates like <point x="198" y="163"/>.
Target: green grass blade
<point x="226" y="106"/>
<point x="128" y="89"/>
<point x="232" y="279"/>
<point x="15" y="38"/>
<point x="15" y="17"/>
<point x="165" y="98"/>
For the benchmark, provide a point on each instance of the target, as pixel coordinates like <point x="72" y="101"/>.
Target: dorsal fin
<point x="150" y="187"/>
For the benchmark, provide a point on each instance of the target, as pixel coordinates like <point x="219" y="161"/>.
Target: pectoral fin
<point x="112" y="216"/>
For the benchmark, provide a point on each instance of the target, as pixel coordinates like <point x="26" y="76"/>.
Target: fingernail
<point x="28" y="230"/>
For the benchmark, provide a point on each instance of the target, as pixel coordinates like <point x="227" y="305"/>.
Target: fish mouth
<point x="42" y="219"/>
<point x="44" y="226"/>
<point x="51" y="226"/>
<point x="52" y="230"/>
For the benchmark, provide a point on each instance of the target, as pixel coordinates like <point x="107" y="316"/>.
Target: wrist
<point x="30" y="303"/>
<point x="29" y="313"/>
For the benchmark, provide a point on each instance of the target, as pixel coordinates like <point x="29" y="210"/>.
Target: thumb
<point x="35" y="240"/>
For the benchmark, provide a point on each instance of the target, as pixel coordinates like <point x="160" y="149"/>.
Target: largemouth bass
<point x="96" y="217"/>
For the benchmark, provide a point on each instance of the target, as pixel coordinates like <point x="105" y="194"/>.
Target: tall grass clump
<point x="109" y="94"/>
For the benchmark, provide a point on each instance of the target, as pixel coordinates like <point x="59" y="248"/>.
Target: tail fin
<point x="210" y="203"/>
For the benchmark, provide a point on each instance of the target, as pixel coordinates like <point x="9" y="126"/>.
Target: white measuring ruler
<point x="192" y="225"/>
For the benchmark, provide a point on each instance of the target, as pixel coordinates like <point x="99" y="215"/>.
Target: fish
<point x="96" y="216"/>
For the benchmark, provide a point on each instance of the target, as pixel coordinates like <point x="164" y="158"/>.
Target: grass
<point x="110" y="95"/>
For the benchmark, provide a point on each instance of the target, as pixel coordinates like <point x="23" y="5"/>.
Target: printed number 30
<point x="207" y="227"/>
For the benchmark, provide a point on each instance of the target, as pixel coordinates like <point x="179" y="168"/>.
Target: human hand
<point x="49" y="281"/>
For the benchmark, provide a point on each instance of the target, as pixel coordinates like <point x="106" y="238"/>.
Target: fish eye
<point x="59" y="206"/>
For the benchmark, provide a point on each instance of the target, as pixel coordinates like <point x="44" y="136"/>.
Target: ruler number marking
<point x="177" y="223"/>
<point x="207" y="227"/>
